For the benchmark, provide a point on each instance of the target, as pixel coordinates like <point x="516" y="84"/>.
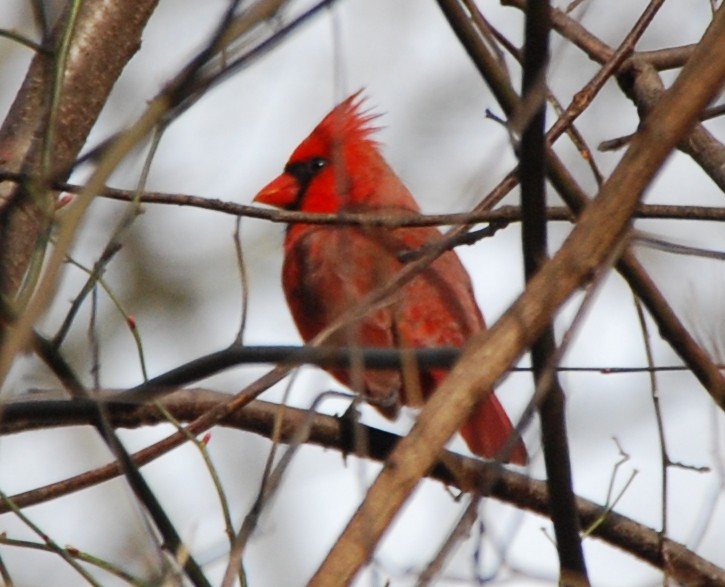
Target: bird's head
<point x="337" y="167"/>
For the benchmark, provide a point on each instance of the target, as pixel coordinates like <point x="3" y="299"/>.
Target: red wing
<point x="327" y="272"/>
<point x="438" y="309"/>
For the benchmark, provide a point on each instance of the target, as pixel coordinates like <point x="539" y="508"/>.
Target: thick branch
<point x="604" y="222"/>
<point x="260" y="417"/>
<point x="105" y="37"/>
<point x="643" y="85"/>
<point x="669" y="325"/>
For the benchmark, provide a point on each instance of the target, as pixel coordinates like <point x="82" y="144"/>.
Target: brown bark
<point x="104" y="38"/>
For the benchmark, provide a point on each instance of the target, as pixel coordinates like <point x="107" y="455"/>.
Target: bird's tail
<point x="489" y="428"/>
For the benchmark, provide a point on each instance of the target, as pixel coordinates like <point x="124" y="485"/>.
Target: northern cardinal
<point x="328" y="269"/>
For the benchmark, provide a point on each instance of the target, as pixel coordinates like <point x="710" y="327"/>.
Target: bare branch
<point x="106" y="36"/>
<point x="601" y="225"/>
<point x="259" y="417"/>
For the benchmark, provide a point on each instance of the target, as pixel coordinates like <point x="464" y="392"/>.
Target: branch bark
<point x="642" y="83"/>
<point x="104" y="37"/>
<point x="669" y="325"/>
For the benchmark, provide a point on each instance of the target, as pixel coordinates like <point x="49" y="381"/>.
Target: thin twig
<point x="664" y="456"/>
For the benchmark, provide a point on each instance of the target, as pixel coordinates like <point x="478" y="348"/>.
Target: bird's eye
<point x="317" y="163"/>
<point x="304" y="171"/>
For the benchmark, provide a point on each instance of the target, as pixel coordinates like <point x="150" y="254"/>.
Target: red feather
<point x="329" y="269"/>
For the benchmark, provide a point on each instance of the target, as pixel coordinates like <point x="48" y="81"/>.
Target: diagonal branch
<point x="604" y="222"/>
<point x="670" y="327"/>
<point x="643" y="86"/>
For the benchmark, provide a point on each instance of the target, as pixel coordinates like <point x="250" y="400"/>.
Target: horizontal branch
<point x="501" y="214"/>
<point x="259" y="417"/>
<point x="322" y="356"/>
<point x="597" y="50"/>
<point x="218" y="361"/>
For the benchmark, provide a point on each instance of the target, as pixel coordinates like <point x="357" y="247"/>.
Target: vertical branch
<point x="532" y="167"/>
<point x="243" y="279"/>
<point x="664" y="456"/>
<point x="532" y="173"/>
<point x="106" y="35"/>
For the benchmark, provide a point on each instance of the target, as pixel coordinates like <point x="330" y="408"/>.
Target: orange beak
<point x="281" y="192"/>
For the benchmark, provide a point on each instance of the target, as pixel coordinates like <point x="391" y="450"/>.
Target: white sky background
<point x="178" y="275"/>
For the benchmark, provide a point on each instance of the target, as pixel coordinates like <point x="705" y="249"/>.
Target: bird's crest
<point x="349" y="120"/>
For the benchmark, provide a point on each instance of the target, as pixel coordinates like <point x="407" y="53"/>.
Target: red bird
<point x="328" y="269"/>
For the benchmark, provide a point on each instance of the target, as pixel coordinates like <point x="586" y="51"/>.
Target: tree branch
<point x="259" y="417"/>
<point x="669" y="325"/>
<point x="106" y="36"/>
<point x="604" y="222"/>
<point x="551" y="400"/>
